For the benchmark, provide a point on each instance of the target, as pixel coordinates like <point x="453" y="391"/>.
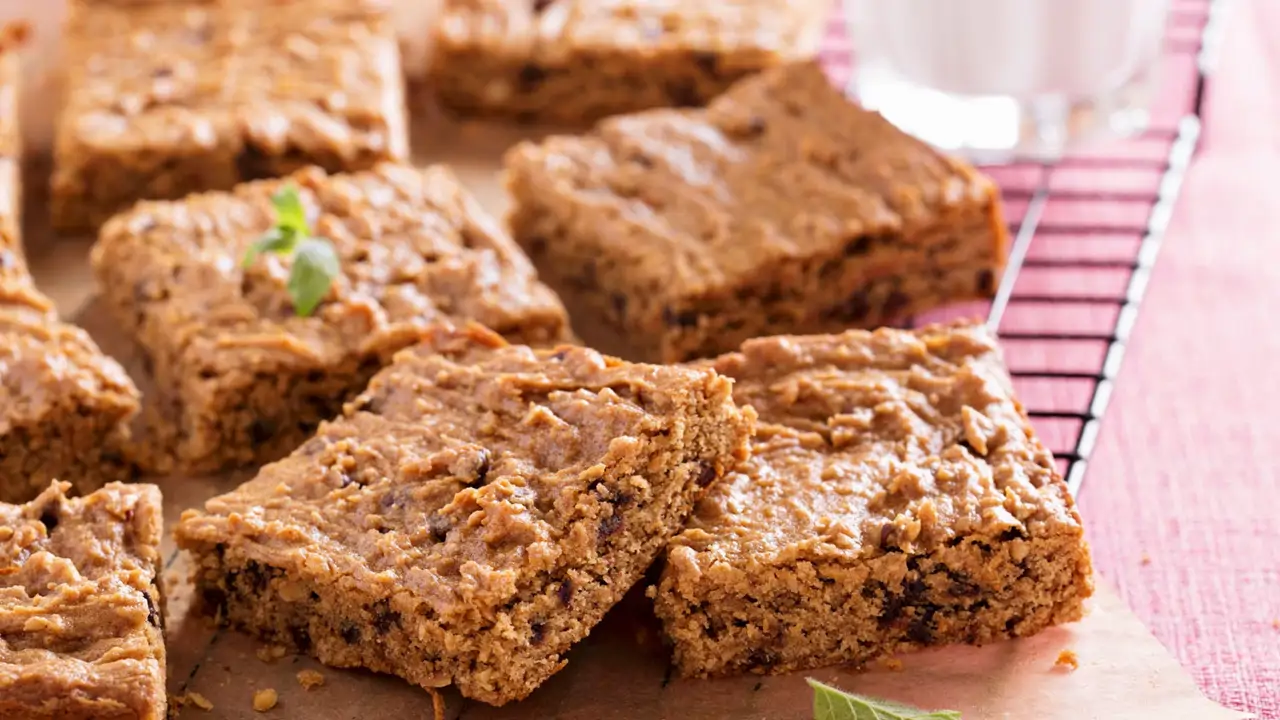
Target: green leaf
<point x="315" y="265"/>
<point x="290" y="215"/>
<point x="274" y="241"/>
<point x="831" y="703"/>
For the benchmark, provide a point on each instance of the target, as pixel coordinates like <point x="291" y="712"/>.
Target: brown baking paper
<point x="621" y="671"/>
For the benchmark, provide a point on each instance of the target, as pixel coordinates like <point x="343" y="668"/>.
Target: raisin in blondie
<point x="781" y="208"/>
<point x="896" y="498"/>
<point x="80" y="606"/>
<point x="472" y="514"/>
<point x="576" y="61"/>
<point x="168" y="97"/>
<point x="240" y="377"/>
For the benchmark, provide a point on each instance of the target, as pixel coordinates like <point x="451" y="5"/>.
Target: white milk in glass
<point x="997" y="79"/>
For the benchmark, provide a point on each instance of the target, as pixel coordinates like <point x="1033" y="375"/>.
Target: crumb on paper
<point x="191" y="698"/>
<point x="1067" y="661"/>
<point x="264" y="700"/>
<point x="1146" y="559"/>
<point x="891" y="664"/>
<point x="310" y="679"/>
<point x="270" y="653"/>
<point x="437" y="703"/>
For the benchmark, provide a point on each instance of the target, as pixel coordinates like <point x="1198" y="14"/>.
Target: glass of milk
<point x="1001" y="79"/>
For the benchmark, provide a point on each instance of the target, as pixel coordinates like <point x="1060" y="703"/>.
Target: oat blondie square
<point x="64" y="406"/>
<point x="896" y="498"/>
<point x="168" y="97"/>
<point x="472" y="514"/>
<point x="80" y="606"/>
<point x="782" y="208"/>
<point x="240" y="376"/>
<point x="576" y="61"/>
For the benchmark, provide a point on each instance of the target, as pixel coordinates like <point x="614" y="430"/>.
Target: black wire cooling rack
<point x="1087" y="231"/>
<point x="1191" y="47"/>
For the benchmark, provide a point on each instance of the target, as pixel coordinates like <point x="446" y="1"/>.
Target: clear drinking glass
<point x="1001" y="79"/>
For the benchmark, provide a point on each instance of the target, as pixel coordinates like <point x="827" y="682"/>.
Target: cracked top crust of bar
<point x="44" y="364"/>
<point x="414" y="248"/>
<point x="181" y="76"/>
<point x="742" y="31"/>
<point x="875" y="440"/>
<point x="76" y="615"/>
<point x="458" y="476"/>
<point x="782" y="166"/>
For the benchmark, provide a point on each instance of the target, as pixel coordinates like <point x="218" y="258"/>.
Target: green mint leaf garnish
<point x="831" y="703"/>
<point x="290" y="215"/>
<point x="315" y="263"/>
<point x="273" y="242"/>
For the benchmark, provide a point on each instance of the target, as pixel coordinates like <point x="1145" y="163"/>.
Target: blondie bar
<point x="576" y="61"/>
<point x="168" y="97"/>
<point x="472" y="514"/>
<point x="782" y="208"/>
<point x="64" y="406"/>
<point x="896" y="498"/>
<point x="241" y="377"/>
<point x="81" y="606"/>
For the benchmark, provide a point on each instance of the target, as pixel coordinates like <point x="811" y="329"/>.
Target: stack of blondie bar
<point x="451" y="488"/>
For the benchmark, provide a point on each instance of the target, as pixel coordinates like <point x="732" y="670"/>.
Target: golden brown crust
<point x="472" y="514"/>
<point x="781" y="208"/>
<point x="80" y="606"/>
<point x="896" y="497"/>
<point x="63" y="404"/>
<point x="248" y="379"/>
<point x="576" y="61"/>
<point x="168" y="98"/>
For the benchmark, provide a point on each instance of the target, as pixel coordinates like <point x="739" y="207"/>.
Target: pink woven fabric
<point x="1182" y="499"/>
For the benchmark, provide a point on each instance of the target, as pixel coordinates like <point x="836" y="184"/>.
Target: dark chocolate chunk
<point x="350" y="634"/>
<point x="537" y="633"/>
<point x="683" y="93"/>
<point x="707" y="475"/>
<point x="610" y="526"/>
<point x="1011" y="533"/>
<point x="895" y="303"/>
<point x="986" y="282"/>
<point x="531" y="76"/>
<point x="253" y="164"/>
<point x="921" y="629"/>
<point x="439" y="526"/>
<point x="855" y="308"/>
<point x="153" y="614"/>
<point x="384" y="617"/>
<point x="687" y="318"/>
<point x="860" y="245"/>
<point x="565" y="592"/>
<point x="707" y="62"/>
<point x="261" y="431"/>
<point x="762" y="658"/>
<point x="255" y="575"/>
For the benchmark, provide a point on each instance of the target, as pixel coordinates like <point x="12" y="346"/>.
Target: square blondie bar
<point x="896" y="498"/>
<point x="576" y="61"/>
<point x="472" y="514"/>
<point x="64" y="406"/>
<point x="240" y="376"/>
<point x="169" y="97"/>
<point x="781" y="208"/>
<point x="81" y="606"/>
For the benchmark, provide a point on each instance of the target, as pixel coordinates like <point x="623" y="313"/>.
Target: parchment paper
<point x="621" y="671"/>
